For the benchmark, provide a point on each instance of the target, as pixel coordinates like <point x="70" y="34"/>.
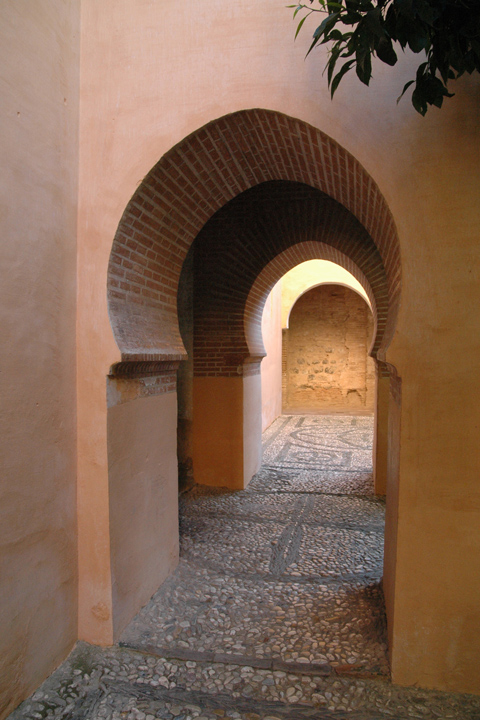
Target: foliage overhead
<point x="446" y="31"/>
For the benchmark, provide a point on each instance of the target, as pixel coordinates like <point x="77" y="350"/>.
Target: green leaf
<point x="405" y="6"/>
<point x="300" y="25"/>
<point x="364" y="66"/>
<point x="297" y="10"/>
<point x="417" y="42"/>
<point x="385" y="51"/>
<point x="315" y="41"/>
<point x="446" y="31"/>
<point x="332" y="60"/>
<point x="352" y="18"/>
<point x="333" y="6"/>
<point x="361" y="5"/>
<point x="405" y="87"/>
<point x="419" y="102"/>
<point x="328" y="23"/>
<point x="373" y="20"/>
<point x="336" y="80"/>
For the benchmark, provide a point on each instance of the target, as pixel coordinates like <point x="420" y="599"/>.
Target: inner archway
<point x="276" y="333"/>
<point x="237" y="258"/>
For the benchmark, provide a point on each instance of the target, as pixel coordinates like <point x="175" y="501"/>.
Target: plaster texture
<point x="143" y="501"/>
<point x="166" y="71"/>
<point x="427" y="171"/>
<point x="39" y="57"/>
<point x="271" y="367"/>
<point x="185" y="376"/>
<point x="380" y="438"/>
<point x="227" y="426"/>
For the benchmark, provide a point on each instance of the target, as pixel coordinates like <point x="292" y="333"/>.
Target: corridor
<point x="287" y="570"/>
<point x="276" y="609"/>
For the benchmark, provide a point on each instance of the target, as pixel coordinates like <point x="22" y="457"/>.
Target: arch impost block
<point x="255" y="359"/>
<point x="384" y="369"/>
<point x="144" y="368"/>
<point x="251" y="366"/>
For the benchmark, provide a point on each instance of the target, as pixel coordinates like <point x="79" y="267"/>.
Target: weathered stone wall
<point x="326" y="365"/>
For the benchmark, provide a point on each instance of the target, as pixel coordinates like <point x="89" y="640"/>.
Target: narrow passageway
<point x="275" y="611"/>
<point x="287" y="570"/>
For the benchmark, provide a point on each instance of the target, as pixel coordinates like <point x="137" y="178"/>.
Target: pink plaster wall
<point x="142" y="447"/>
<point x="271" y="367"/>
<point x="167" y="69"/>
<point x="38" y="155"/>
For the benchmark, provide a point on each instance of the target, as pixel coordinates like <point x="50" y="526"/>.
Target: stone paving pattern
<point x="275" y="611"/>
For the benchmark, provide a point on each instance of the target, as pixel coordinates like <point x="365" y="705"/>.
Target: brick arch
<point x="248" y="245"/>
<point x="197" y="178"/>
<point x="284" y="262"/>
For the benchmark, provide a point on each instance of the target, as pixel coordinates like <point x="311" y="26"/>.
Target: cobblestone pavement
<point x="275" y="611"/>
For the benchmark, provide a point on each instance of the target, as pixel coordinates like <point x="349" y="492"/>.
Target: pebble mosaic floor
<point x="275" y="611"/>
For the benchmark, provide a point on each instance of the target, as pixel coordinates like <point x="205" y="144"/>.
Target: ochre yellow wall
<point x="436" y="352"/>
<point x="252" y="426"/>
<point x="276" y="314"/>
<point x="392" y="500"/>
<point x="218" y="431"/>
<point x="39" y="56"/>
<point x="380" y="437"/>
<point x="227" y="426"/>
<point x="185" y="377"/>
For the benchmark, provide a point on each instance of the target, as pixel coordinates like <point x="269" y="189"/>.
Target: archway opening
<point x="258" y="192"/>
<point x="288" y="370"/>
<point x="236" y="258"/>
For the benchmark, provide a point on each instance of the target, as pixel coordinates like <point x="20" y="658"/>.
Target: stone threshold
<point x="274" y="664"/>
<point x="250" y="709"/>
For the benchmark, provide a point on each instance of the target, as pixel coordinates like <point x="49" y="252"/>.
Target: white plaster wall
<point x="271" y="367"/>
